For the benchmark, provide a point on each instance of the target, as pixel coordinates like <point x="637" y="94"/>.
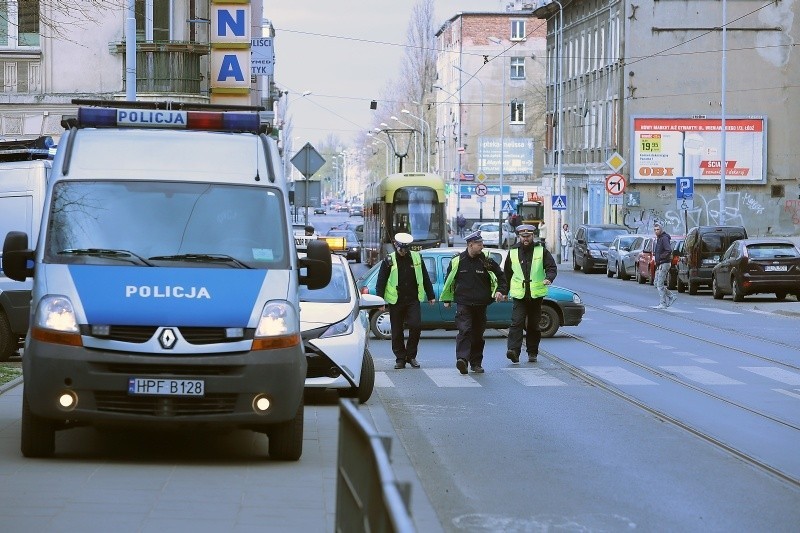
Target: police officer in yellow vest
<point x="403" y="282"/>
<point x="473" y="281"/>
<point x="529" y="269"/>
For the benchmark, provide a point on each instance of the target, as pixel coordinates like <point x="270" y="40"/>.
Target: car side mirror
<point x="17" y="259"/>
<point x="370" y="301"/>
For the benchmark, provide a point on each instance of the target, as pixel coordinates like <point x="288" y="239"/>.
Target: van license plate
<point x="775" y="268"/>
<point x="166" y="387"/>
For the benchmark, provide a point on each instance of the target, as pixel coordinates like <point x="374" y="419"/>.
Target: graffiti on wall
<point x="792" y="208"/>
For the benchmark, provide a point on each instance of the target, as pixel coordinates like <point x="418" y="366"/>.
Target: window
<point x="19" y="24"/>
<point x="517" y="112"/>
<point x="152" y="20"/>
<point x="517" y="30"/>
<point x="517" y="68"/>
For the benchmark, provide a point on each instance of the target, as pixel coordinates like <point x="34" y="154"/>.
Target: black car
<point x="751" y="266"/>
<point x="591" y="242"/>
<point x="319" y="210"/>
<point x="702" y="249"/>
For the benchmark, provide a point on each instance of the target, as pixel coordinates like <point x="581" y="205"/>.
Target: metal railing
<point x="368" y="496"/>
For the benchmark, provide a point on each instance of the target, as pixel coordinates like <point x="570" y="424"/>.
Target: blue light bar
<point x="92" y="117"/>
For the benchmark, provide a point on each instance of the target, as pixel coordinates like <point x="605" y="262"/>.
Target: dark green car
<point x="561" y="307"/>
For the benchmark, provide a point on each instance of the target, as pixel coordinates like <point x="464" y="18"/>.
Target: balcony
<point x="174" y="68"/>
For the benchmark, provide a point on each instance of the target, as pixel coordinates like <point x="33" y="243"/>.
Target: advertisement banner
<point x="517" y="155"/>
<point x="664" y="148"/>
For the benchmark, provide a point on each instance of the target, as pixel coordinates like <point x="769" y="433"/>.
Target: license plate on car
<point x="166" y="387"/>
<point x="775" y="268"/>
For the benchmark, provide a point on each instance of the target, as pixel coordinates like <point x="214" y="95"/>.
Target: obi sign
<point x="667" y="147"/>
<point x="230" y="48"/>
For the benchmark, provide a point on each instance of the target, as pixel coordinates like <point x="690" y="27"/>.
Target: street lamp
<point x="416" y="156"/>
<point x="495" y="40"/>
<point x="428" y="145"/>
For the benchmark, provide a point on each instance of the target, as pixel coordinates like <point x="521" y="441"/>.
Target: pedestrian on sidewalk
<point x="403" y="282"/>
<point x="663" y="254"/>
<point x="461" y="223"/>
<point x="473" y="281"/>
<point x="566" y="242"/>
<point x="529" y="268"/>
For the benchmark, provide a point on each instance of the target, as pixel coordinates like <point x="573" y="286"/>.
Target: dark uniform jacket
<point x="526" y="260"/>
<point x="406" y="279"/>
<point x="472" y="281"/>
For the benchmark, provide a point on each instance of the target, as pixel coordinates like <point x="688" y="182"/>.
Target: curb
<point x="10" y="385"/>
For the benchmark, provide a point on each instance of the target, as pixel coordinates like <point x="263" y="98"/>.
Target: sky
<point x="344" y="52"/>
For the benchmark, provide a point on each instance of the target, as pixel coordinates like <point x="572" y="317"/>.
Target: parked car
<point x="677" y="253"/>
<point x="617" y="254"/>
<point x="352" y="246"/>
<point x="561" y="307"/>
<point x="356" y="210"/>
<point x="319" y="211"/>
<point x="590" y="245"/>
<point x="703" y="248"/>
<point x="751" y="266"/>
<point x="646" y="262"/>
<point x="491" y="235"/>
<point x="335" y="330"/>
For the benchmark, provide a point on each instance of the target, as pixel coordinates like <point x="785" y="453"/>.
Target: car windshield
<point x="772" y="250"/>
<point x="169" y="224"/>
<point x="603" y="234"/>
<point x="334" y="292"/>
<point x="625" y="242"/>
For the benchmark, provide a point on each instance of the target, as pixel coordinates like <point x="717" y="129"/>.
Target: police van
<point x="24" y="168"/>
<point x="165" y="279"/>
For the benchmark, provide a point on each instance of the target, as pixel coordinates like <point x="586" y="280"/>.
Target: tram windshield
<point x="417" y="211"/>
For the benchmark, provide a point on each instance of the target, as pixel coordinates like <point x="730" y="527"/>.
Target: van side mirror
<point x="17" y="262"/>
<point x="317" y="263"/>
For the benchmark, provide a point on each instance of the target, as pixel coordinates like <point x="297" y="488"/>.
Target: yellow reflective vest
<point x="390" y="294"/>
<point x="517" y="286"/>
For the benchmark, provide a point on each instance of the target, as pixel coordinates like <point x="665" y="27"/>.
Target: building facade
<point x="646" y="82"/>
<point x="489" y="89"/>
<point x="52" y="52"/>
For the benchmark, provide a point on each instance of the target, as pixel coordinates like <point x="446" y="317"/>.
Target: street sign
<point x="615" y="199"/>
<point x="307" y="160"/>
<point x="481" y="189"/>
<point x="559" y="202"/>
<point x="507" y="207"/>
<point x="481" y="199"/>
<point x="615" y="184"/>
<point x="684" y="192"/>
<point x="481" y="177"/>
<point x="615" y="162"/>
<point x="684" y="204"/>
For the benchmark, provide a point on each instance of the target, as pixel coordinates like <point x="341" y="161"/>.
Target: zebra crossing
<point x="615" y="375"/>
<point x="622" y="308"/>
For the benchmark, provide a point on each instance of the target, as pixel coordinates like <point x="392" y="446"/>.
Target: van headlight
<point x="278" y="327"/>
<point x="55" y="321"/>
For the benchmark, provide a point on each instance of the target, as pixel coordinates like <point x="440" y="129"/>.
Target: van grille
<point x="142" y="334"/>
<point x="121" y="402"/>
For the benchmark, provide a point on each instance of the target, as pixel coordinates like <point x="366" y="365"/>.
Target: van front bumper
<point x="99" y="380"/>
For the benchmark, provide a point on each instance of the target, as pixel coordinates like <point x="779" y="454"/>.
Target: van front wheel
<point x="286" y="438"/>
<point x="38" y="435"/>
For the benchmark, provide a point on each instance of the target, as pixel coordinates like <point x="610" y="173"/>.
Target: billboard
<point x="517" y="155"/>
<point x="664" y="148"/>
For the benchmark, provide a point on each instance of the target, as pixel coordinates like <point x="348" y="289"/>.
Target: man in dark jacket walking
<point x="663" y="254"/>
<point x="473" y="281"/>
<point x="403" y="282"/>
<point x="529" y="268"/>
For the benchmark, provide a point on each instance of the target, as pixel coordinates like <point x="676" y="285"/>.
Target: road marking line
<point x="648" y="341"/>
<point x="617" y="375"/>
<point x="701" y="375"/>
<point x="673" y="310"/>
<point x="788" y="393"/>
<point x="450" y="377"/>
<point x="383" y="380"/>
<point x="719" y="311"/>
<point x="533" y="377"/>
<point x="665" y="347"/>
<point x="772" y="372"/>
<point x="626" y="309"/>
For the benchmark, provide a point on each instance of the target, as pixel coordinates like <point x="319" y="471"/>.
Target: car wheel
<point x="380" y="325"/>
<point x="715" y="290"/>
<point x="367" y="382"/>
<point x="38" y="435"/>
<point x="286" y="438"/>
<point x="586" y="265"/>
<point x="8" y="341"/>
<point x="608" y="271"/>
<point x="623" y="272"/>
<point x="680" y="285"/>
<point x="736" y="291"/>
<point x="639" y="279"/>
<point x="780" y="296"/>
<point x="575" y="265"/>
<point x="672" y="281"/>
<point x="549" y="321"/>
<point x="693" y="286"/>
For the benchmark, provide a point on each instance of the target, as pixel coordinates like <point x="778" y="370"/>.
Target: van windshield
<point x="166" y="224"/>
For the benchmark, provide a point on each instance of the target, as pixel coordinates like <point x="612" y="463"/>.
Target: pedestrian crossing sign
<point x="507" y="207"/>
<point x="560" y="202"/>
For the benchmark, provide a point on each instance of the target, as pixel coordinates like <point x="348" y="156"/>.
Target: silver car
<point x="622" y="256"/>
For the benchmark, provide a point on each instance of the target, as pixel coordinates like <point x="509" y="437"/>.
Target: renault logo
<point x="167" y="339"/>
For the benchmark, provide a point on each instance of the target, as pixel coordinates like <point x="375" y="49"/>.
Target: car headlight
<point x="278" y="326"/>
<point x="345" y="327"/>
<point x="55" y="321"/>
<point x="575" y="298"/>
